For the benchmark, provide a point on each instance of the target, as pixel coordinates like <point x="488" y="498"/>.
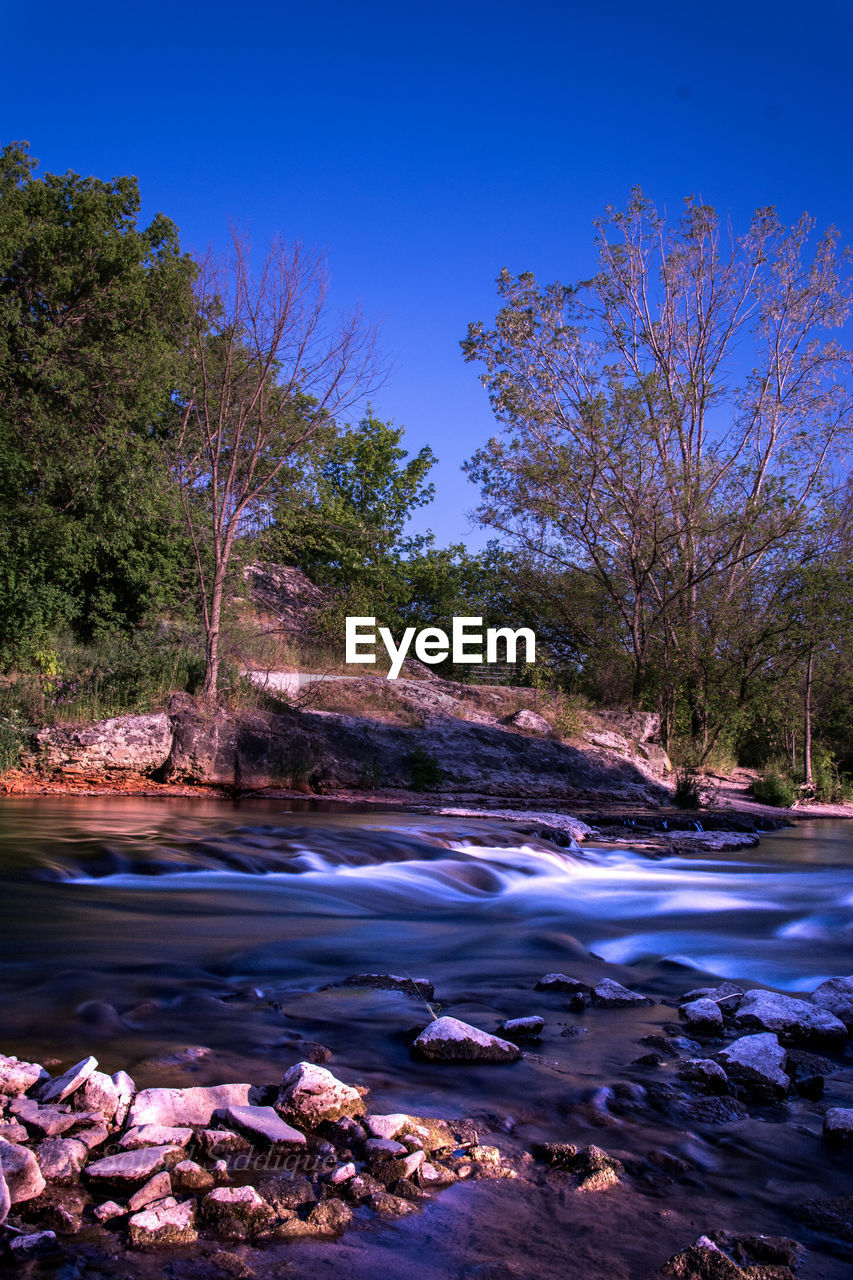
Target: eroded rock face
<point x="140" y="744"/>
<point x="311" y="1094"/>
<point x="449" y="1040"/>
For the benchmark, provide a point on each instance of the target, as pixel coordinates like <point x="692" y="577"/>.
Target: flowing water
<point x="196" y="941"/>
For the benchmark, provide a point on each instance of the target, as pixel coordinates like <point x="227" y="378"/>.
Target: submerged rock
<point x="449" y="1040"/>
<point x="702" y="1260"/>
<point x="420" y="987"/>
<point x="561" y="982"/>
<point x="523" y="1028"/>
<point x="838" y="1125"/>
<point x="36" y="1244"/>
<point x="708" y="1075"/>
<point x="237" y="1213"/>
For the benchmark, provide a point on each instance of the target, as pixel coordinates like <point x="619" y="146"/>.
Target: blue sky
<point x="426" y="147"/>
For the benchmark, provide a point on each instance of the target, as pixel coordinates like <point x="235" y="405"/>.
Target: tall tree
<point x="270" y="365"/>
<point x="93" y="312"/>
<point x="670" y="424"/>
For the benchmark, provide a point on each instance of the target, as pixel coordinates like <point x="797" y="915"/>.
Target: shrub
<point x="687" y="793"/>
<point x="427" y="773"/>
<point x="775" y="789"/>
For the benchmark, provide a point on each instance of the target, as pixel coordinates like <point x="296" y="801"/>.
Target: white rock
<point x="61" y="1159"/>
<point x="312" y="1094"/>
<point x="126" y="1090"/>
<point x="20" y="1170"/>
<point x="610" y="994"/>
<point x="99" y="1093"/>
<point x="382" y="1148"/>
<point x="60" y="1088"/>
<point x="17" y="1077"/>
<point x="838" y="1124"/>
<point x="450" y="1040"/>
<point x="164" y="1223"/>
<point x="176" y="1107"/>
<point x="263" y="1123"/>
<point x="109" y="1209"/>
<point x="703" y="1015"/>
<point x="156" y="1188"/>
<point x="524" y="1028"/>
<point x="343" y="1173"/>
<point x="155" y="1135"/>
<point x="132" y="1167"/>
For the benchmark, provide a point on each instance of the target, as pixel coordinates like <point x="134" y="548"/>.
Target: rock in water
<point x="703" y="1260"/>
<point x="608" y="994"/>
<point x="5" y="1199"/>
<point x="20" y="1172"/>
<point x="17" y="1077"/>
<point x="237" y="1212"/>
<point x="523" y="1028"/>
<point x="757" y="1062"/>
<point x="263" y="1123"/>
<point x="703" y="1016"/>
<point x="838" y="1125"/>
<point x="166" y="1223"/>
<point x="835" y="995"/>
<point x="311" y="1093"/>
<point x="176" y="1107"/>
<point x="449" y="1040"/>
<point x="794" y="1019"/>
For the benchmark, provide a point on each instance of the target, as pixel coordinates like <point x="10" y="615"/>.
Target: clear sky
<point x="425" y="147"/>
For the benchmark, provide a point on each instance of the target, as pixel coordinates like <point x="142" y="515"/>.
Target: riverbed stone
<point x="388" y="1206"/>
<point x="838" y="1125"/>
<point x="788" y="1017"/>
<point x="156" y="1188"/>
<point x="61" y="1087"/>
<point x="287" y="1191"/>
<point x="193" y="1106"/>
<point x="108" y="1210"/>
<point x="35" y="1244"/>
<point x="833" y="1215"/>
<point x="431" y="1133"/>
<point x="703" y="1016"/>
<point x="450" y="1040"/>
<point x="706" y="1074"/>
<point x="131" y="1168"/>
<point x="237" y="1213"/>
<point x="836" y="995"/>
<point x="756" y="1062"/>
<point x="561" y="982"/>
<point x="155" y="1135"/>
<point x="223" y="1142"/>
<point x="529" y="1028"/>
<point x="16" y="1077"/>
<point x="420" y="987"/>
<point x="168" y="1222"/>
<point x="99" y="1093"/>
<point x="126" y="1090"/>
<point x="608" y="994"/>
<point x="61" y="1159"/>
<point x="262" y="1124"/>
<point x="329" y="1218"/>
<point x="702" y="1260"/>
<point x="189" y="1176"/>
<point x="21" y="1172"/>
<point x="48" y="1121"/>
<point x="310" y="1093"/>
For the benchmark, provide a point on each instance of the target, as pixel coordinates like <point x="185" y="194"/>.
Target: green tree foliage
<point x="93" y="311"/>
<point x="670" y="428"/>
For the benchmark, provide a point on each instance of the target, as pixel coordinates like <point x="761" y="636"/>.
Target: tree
<point x="670" y="425"/>
<point x="93" y="310"/>
<point x="270" y="365"/>
<point x="341" y="517"/>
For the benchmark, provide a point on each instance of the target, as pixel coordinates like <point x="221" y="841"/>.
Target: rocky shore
<point x="91" y="1165"/>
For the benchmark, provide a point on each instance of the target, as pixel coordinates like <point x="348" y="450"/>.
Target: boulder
<point x="262" y="1124"/>
<point x="60" y="1088"/>
<point x="21" y="1172"/>
<point x="165" y="1223"/>
<point x="431" y="1133"/>
<point x="608" y="994"/>
<point x="108" y="1210"/>
<point x="836" y="996"/>
<point x="561" y="982"/>
<point x="310" y="1094"/>
<point x="702" y="1260"/>
<point x="50" y="1122"/>
<point x="17" y="1077"/>
<point x="329" y="1218"/>
<point x="237" y="1213"/>
<point x="833" y="1215"/>
<point x="449" y="1040"/>
<point x="61" y="1159"/>
<point x="35" y="1244"/>
<point x="703" y="1016"/>
<point x="189" y="1176"/>
<point x="609" y="741"/>
<point x="100" y="1093"/>
<point x="388" y="1206"/>
<point x="5" y="1198"/>
<point x="641" y="726"/>
<point x="286" y="1192"/>
<point x="757" y="1062"/>
<point x="177" y="1107"/>
<point x="708" y="1075"/>
<point x="791" y="1018"/>
<point x="126" y="1090"/>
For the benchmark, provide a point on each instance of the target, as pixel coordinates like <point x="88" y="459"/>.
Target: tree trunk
<point x="807" y="722"/>
<point x="211" y="639"/>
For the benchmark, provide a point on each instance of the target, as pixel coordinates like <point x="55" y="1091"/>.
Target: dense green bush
<point x="774" y="788"/>
<point x="427" y="773"/>
<point x="687" y="793"/>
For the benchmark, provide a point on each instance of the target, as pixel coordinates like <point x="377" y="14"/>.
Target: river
<point x="199" y="941"/>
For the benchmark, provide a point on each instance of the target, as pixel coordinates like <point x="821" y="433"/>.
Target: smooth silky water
<point x="199" y="941"/>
